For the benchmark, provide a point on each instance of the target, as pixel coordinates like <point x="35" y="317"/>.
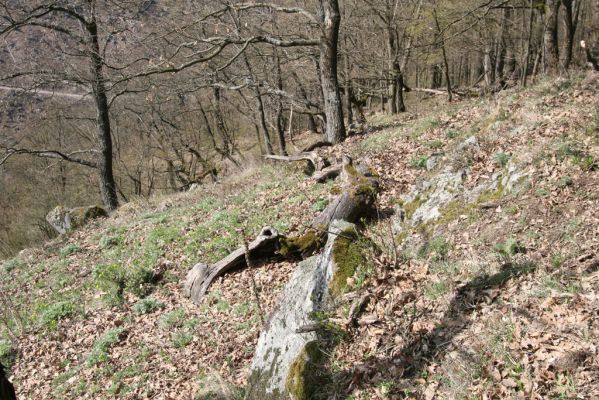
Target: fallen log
<point x="327" y="173"/>
<point x="355" y="200"/>
<point x="317" y="145"/>
<point x="316" y="162"/>
<point x="202" y="275"/>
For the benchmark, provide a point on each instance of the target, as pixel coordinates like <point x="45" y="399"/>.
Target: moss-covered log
<point x="355" y="200"/>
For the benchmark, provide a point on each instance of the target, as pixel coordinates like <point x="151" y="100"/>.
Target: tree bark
<point x="526" y="60"/>
<point x="107" y="183"/>
<point x="280" y="120"/>
<point x="348" y="89"/>
<point x="260" y="111"/>
<point x="550" y="36"/>
<point x="570" y="23"/>
<point x="331" y="20"/>
<point x="7" y="390"/>
<point x="445" y="62"/>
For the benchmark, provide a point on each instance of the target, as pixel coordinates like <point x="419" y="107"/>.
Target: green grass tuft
<point x="103" y="344"/>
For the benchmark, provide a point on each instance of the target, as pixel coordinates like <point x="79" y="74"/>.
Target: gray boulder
<point x="286" y="362"/>
<point x="64" y="219"/>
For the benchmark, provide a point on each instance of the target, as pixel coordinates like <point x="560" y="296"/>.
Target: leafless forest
<point x="107" y="101"/>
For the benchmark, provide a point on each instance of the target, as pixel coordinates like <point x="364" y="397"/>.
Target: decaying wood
<point x="357" y="193"/>
<point x="317" y="162"/>
<point x="202" y="275"/>
<point x="356" y="308"/>
<point x="317" y="145"/>
<point x="327" y="173"/>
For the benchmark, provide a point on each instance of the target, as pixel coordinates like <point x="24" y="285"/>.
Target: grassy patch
<point x="7" y="353"/>
<point x="419" y="162"/>
<point x="173" y="319"/>
<point x="54" y="313"/>
<point x="436" y="289"/>
<point x="501" y="158"/>
<point x="103" y="344"/>
<point x="147" y="306"/>
<point x="69" y="249"/>
<point x="11" y="265"/>
<point x="436" y="249"/>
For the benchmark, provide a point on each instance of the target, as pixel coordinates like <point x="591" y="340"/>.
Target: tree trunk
<point x="391" y="52"/>
<point x="260" y="110"/>
<point x="331" y="20"/>
<point x="526" y="60"/>
<point x="551" y="36"/>
<point x="7" y="391"/>
<point x="280" y="121"/>
<point x="348" y="89"/>
<point x="445" y="62"/>
<point x="107" y="183"/>
<point x="570" y="22"/>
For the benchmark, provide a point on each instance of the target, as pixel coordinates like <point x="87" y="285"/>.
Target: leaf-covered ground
<point x="487" y="302"/>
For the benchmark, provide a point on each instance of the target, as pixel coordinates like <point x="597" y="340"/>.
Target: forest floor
<point x="486" y="302"/>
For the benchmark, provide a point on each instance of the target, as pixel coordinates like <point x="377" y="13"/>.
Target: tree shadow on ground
<point x="412" y="359"/>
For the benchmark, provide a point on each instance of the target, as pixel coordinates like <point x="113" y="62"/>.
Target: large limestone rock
<point x="286" y="363"/>
<point x="65" y="219"/>
<point x="444" y="194"/>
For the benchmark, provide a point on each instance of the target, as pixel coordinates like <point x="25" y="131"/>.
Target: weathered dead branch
<point x="356" y="199"/>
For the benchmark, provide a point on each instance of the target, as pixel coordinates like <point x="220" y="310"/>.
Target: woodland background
<point x="110" y="101"/>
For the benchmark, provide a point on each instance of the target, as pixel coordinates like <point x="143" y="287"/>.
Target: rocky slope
<point x="483" y="282"/>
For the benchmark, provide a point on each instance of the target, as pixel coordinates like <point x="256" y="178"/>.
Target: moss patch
<point x="410" y="208"/>
<point x="302" y="246"/>
<point x="305" y="379"/>
<point x="348" y="257"/>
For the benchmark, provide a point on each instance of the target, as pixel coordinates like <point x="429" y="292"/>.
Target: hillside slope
<point x="492" y="294"/>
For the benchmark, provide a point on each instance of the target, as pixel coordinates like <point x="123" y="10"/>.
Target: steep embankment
<point x="491" y="204"/>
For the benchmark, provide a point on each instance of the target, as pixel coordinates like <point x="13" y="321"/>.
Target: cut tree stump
<point x="202" y="275"/>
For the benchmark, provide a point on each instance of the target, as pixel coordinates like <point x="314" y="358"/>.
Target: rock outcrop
<point x="288" y="359"/>
<point x="64" y="219"/>
<point x="444" y="195"/>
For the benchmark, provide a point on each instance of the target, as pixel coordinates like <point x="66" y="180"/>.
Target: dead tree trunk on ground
<point x="355" y="200"/>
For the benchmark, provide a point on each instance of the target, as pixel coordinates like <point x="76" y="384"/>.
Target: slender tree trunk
<point x="391" y="52"/>
<point x="331" y="20"/>
<point x="107" y="183"/>
<point x="280" y="121"/>
<point x="260" y="111"/>
<point x="348" y="89"/>
<point x="445" y="62"/>
<point x="570" y="23"/>
<point x="551" y="36"/>
<point x="526" y="60"/>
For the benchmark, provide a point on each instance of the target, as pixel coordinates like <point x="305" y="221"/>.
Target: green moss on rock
<point x="410" y="208"/>
<point x="348" y="257"/>
<point x="305" y="377"/>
